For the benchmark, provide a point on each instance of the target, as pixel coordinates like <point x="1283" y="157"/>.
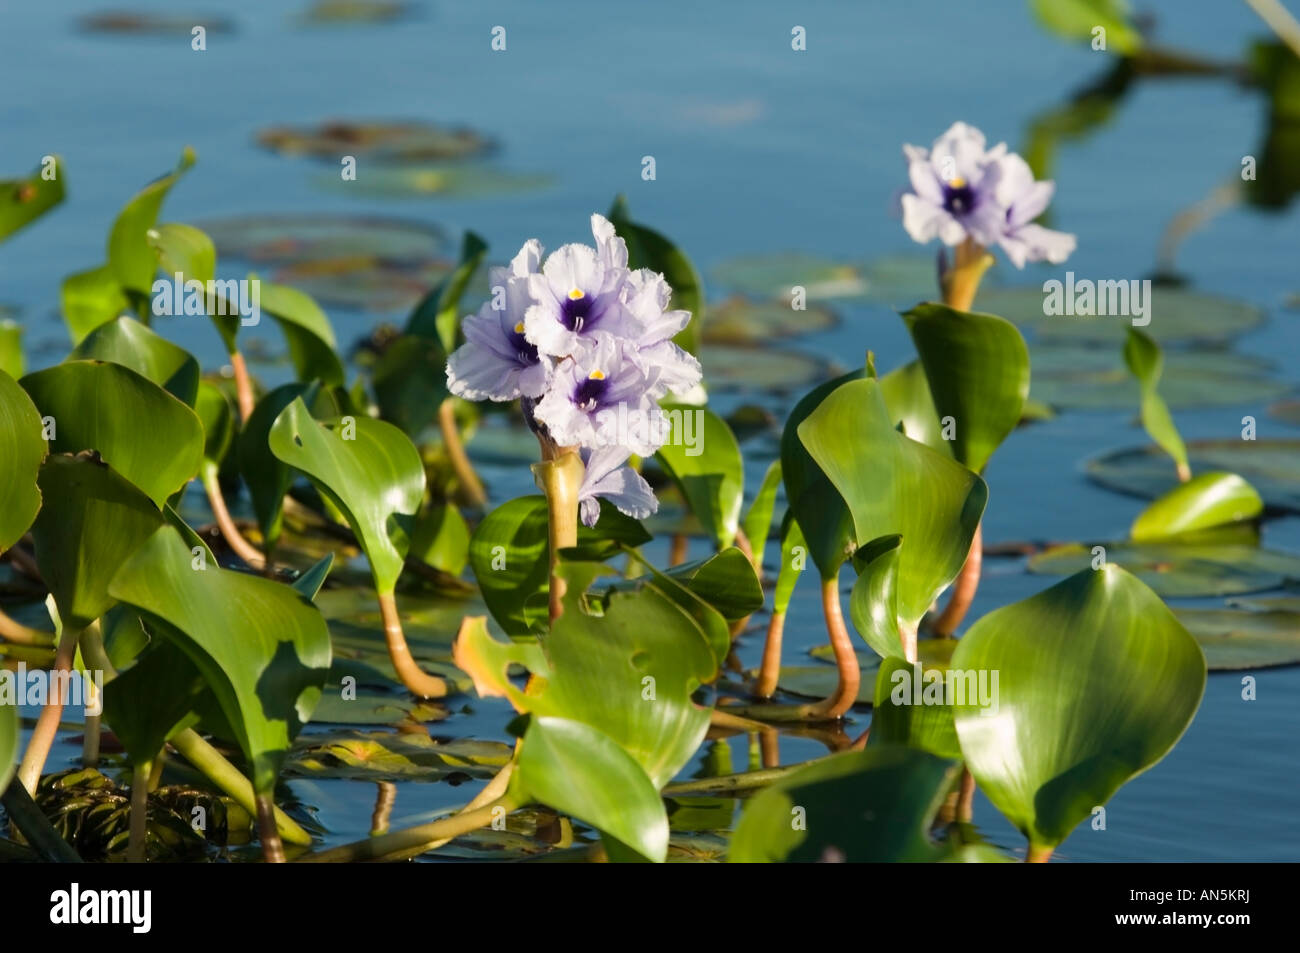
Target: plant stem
<point x="95" y="659"/>
<point x="678" y="549"/>
<point x="470" y="484"/>
<point x="1038" y="855"/>
<point x="28" y="819"/>
<point x="413" y="841"/>
<point x="963" y="592"/>
<point x="227" y="777"/>
<point x="769" y="671"/>
<point x="14" y="631"/>
<point x="846" y="660"/>
<point x="243" y="386"/>
<point x="1279" y="20"/>
<point x="733" y="783"/>
<point x="417" y="681"/>
<point x="135" y="852"/>
<point x="229" y="531"/>
<point x="267" y="830"/>
<point x="47" y="723"/>
<point x="560" y="478"/>
<point x="385" y="798"/>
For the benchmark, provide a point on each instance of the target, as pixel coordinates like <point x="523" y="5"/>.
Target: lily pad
<point x="148" y="23"/>
<point x="727" y="367"/>
<point x="1176" y="314"/>
<point x="394" y="756"/>
<point x="286" y="239"/>
<point x="364" y="284"/>
<point x="331" y="12"/>
<point x="1090" y="378"/>
<point x="1271" y="466"/>
<point x="381" y="141"/>
<point x="372" y="708"/>
<point x="1287" y="411"/>
<point x="1175" y="569"/>
<point x="414" y="181"/>
<point x="741" y="322"/>
<point x="1238" y="639"/>
<point x="774" y="275"/>
<point x="820" y="681"/>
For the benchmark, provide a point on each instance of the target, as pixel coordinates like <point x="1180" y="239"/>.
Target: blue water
<point x="758" y="149"/>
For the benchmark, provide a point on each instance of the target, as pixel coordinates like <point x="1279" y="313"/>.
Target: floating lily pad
<point x="929" y="651"/>
<point x="904" y="280"/>
<point x="1176" y="569"/>
<point x="331" y="12"/>
<point x="819" y="681"/>
<point x="289" y="239"/>
<point x="740" y="321"/>
<point x="1176" y="315"/>
<point x="394" y="756"/>
<point x="153" y="24"/>
<point x="727" y="367"/>
<point x="1271" y="466"/>
<point x="452" y="181"/>
<point x="1068" y="375"/>
<point x="1287" y="411"/>
<point x="1235" y="639"/>
<point x="372" y="708"/>
<point x="382" y="141"/>
<point x="363" y="284"/>
<point x="773" y="276"/>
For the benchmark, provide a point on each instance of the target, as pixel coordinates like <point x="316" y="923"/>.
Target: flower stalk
<point x="559" y="476"/>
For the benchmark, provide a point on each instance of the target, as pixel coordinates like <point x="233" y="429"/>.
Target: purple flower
<point x="608" y="476"/>
<point x="579" y="293"/>
<point x="646" y="298"/>
<point x="497" y="361"/>
<point x="961" y="190"/>
<point x="600" y="397"/>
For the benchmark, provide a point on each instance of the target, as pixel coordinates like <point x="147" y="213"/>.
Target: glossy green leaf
<point x="875" y="805"/>
<point x="977" y="366"/>
<point x="267" y="477"/>
<point x="1208" y="500"/>
<point x="725" y="580"/>
<point x="218" y="419"/>
<point x="757" y="523"/>
<point x="92" y="521"/>
<point x="1271" y="466"/>
<point x="368" y="469"/>
<point x="184" y="250"/>
<point x="22" y="201"/>
<point x="9" y="737"/>
<point x="1144" y="360"/>
<point x="22" y="448"/>
<point x="509" y="553"/>
<point x="126" y="418"/>
<point x="437" y="316"/>
<point x="702" y="456"/>
<point x="1079" y="20"/>
<point x="911" y="707"/>
<point x="630" y="672"/>
<point x="130" y="256"/>
<point x="1096" y="682"/>
<point x="89" y="299"/>
<point x="261" y="647"/>
<point x="124" y="340"/>
<point x="794" y="559"/>
<point x="153" y="700"/>
<point x="575" y="768"/>
<point x="873" y="605"/>
<point x="907" y="397"/>
<point x="410" y="382"/>
<point x="441" y="538"/>
<point x="307" y="331"/>
<point x="894" y="485"/>
<point x="11" y="347"/>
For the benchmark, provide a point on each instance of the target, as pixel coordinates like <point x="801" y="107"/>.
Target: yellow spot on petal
<point x="576" y="293"/>
<point x="958" y="183"/>
<point x="519" y="328"/>
<point x="597" y="375"/>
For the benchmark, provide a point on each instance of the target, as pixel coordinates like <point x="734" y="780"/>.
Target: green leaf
<point x="873" y="604"/>
<point x="1211" y="499"/>
<point x="437" y="316"/>
<point x="22" y="448"/>
<point x="184" y="250"/>
<point x="1097" y="680"/>
<point x="368" y="469"/>
<point x="153" y="700"/>
<point x="794" y="557"/>
<point x="9" y="737"/>
<point x="647" y="248"/>
<point x="126" y="417"/>
<point x="441" y="538"/>
<point x="726" y="581"/>
<point x="262" y="648"/>
<point x="1144" y="360"/>
<point x="22" y="201"/>
<point x="702" y="456"/>
<point x="307" y="331"/>
<point x="823" y="516"/>
<point x="757" y="523"/>
<point x="11" y="348"/>
<point x="89" y="299"/>
<point x="875" y="805"/>
<point x="509" y="553"/>
<point x="267" y="477"/>
<point x="92" y="521"/>
<point x="132" y="261"/>
<point x="977" y="366"/>
<point x="630" y="671"/>
<point x="410" y="382"/>
<point x="214" y="412"/>
<point x="894" y="485"/>
<point x="911" y="709"/>
<point x="1079" y="19"/>
<point x="310" y="580"/>
<point x="574" y="768"/>
<point x="907" y="395"/>
<point x="124" y="340"/>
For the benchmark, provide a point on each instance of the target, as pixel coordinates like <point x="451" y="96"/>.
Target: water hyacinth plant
<point x="240" y="638"/>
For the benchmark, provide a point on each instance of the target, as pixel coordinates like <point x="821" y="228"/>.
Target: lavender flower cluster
<point x="586" y="344"/>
